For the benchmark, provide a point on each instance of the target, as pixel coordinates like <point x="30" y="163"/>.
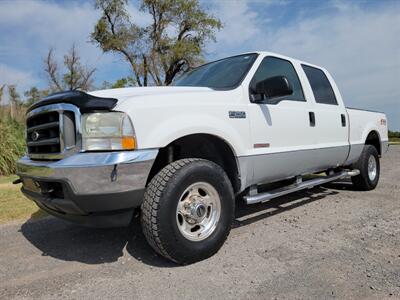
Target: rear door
<point x="331" y="120"/>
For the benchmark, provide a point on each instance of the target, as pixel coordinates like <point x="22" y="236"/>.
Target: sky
<point x="357" y="41"/>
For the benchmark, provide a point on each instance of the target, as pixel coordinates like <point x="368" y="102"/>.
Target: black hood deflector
<point x="84" y="101"/>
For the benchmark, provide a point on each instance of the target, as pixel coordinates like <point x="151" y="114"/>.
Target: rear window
<point x="322" y="89"/>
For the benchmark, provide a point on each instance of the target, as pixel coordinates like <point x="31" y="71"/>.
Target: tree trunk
<point x="172" y="71"/>
<point x="12" y="113"/>
<point x="145" y="70"/>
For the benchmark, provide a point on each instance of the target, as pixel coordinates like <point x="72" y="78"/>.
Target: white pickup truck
<point x="184" y="153"/>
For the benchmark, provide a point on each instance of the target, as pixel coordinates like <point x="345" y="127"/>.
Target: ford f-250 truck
<point x="184" y="153"/>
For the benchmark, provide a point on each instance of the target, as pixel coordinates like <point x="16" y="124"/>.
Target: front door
<point x="283" y="133"/>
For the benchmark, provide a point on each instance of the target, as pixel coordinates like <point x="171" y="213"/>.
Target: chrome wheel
<point x="198" y="211"/>
<point x="372" y="168"/>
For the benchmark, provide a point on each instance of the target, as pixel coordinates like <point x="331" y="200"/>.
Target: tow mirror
<point x="272" y="88"/>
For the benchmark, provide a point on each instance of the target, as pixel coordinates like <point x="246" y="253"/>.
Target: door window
<point x="273" y="66"/>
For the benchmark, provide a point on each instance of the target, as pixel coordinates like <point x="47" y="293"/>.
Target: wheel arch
<point x="373" y="138"/>
<point x="200" y="145"/>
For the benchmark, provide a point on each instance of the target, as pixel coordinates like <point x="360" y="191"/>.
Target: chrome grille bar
<point x="46" y="142"/>
<point x="43" y="126"/>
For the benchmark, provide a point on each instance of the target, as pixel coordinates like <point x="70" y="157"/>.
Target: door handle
<point x="343" y="117"/>
<point x="311" y="116"/>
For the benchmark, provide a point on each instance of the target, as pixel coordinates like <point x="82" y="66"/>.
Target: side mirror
<point x="273" y="87"/>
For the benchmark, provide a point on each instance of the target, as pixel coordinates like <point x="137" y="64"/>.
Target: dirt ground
<point x="328" y="242"/>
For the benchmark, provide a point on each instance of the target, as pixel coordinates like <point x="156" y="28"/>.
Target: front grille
<point x="50" y="133"/>
<point x="43" y="133"/>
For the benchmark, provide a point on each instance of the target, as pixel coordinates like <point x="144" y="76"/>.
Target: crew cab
<point x="183" y="154"/>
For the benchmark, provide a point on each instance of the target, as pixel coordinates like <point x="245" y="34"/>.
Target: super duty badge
<point x="233" y="114"/>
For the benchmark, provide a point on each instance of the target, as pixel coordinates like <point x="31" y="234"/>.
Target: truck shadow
<point x="343" y="184"/>
<point x="247" y="214"/>
<point x="69" y="242"/>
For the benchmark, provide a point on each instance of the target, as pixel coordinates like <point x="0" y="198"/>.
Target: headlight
<point x="107" y="131"/>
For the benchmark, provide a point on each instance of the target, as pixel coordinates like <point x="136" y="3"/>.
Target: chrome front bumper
<point x="86" y="184"/>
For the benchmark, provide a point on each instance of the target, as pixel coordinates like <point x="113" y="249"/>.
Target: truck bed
<point x="362" y="122"/>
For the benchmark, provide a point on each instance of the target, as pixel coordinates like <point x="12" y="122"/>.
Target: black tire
<point x="362" y="181"/>
<point x="159" y="210"/>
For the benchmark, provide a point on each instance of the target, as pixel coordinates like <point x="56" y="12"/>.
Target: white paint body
<point x="161" y="115"/>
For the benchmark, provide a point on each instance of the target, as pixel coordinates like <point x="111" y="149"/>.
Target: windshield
<point x="221" y="74"/>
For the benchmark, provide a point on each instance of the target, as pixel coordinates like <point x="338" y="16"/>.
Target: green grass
<point x="13" y="205"/>
<point x="8" y="179"/>
<point x="394" y="141"/>
<point x="12" y="144"/>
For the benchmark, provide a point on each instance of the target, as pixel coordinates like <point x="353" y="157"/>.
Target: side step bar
<point x="255" y="197"/>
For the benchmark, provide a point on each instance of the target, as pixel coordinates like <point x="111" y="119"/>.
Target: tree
<point x="75" y="77"/>
<point x="120" y="83"/>
<point x="123" y="82"/>
<point x="1" y="99"/>
<point x="15" y="100"/>
<point x="33" y="95"/>
<point x="394" y="134"/>
<point x="1" y="92"/>
<point x="172" y="44"/>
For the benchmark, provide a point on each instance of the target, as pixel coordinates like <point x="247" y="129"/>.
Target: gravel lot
<point x="328" y="242"/>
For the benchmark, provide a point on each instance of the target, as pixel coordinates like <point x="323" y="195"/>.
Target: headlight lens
<point x="107" y="131"/>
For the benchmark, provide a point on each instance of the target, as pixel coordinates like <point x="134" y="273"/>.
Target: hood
<point x="123" y="94"/>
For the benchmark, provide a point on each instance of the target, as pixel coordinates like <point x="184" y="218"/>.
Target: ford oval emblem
<point x="35" y="136"/>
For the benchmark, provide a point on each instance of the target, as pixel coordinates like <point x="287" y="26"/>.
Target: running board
<point x="255" y="197"/>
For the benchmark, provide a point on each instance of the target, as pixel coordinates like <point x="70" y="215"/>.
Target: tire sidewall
<point x="370" y="151"/>
<point x="171" y="237"/>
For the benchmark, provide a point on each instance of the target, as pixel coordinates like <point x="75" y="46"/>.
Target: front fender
<point x="171" y="129"/>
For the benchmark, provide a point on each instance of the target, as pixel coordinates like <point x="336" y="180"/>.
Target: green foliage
<point x="1" y="92"/>
<point x="12" y="144"/>
<point x="13" y="94"/>
<point x="33" y="95"/>
<point x="123" y="82"/>
<point x="394" y="134"/>
<point x="16" y="102"/>
<point x="172" y="44"/>
<point x="120" y="83"/>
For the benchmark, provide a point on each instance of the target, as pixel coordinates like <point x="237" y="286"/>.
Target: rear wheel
<point x="188" y="210"/>
<point x="369" y="167"/>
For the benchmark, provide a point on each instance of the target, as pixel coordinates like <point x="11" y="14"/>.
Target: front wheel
<point x="187" y="210"/>
<point x="369" y="167"/>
